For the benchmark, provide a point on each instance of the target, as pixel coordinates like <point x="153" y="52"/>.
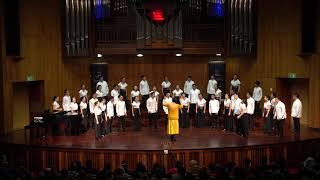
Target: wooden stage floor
<point x="150" y="139"/>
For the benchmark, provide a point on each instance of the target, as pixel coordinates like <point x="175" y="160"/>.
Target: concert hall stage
<point x="147" y="146"/>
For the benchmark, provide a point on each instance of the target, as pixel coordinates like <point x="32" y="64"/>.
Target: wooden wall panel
<point x="156" y="67"/>
<point x="279" y="42"/>
<point x="1" y="65"/>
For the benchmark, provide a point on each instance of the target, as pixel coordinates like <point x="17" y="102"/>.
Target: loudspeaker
<point x="12" y="27"/>
<point x="218" y="69"/>
<point x="96" y="71"/>
<point x="308" y="26"/>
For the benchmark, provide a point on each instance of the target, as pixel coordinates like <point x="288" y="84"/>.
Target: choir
<point x="237" y="115"/>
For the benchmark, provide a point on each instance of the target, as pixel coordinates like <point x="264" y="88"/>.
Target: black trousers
<point x="200" y="118"/>
<point x="185" y="122"/>
<point x="296" y="125"/>
<point x="251" y="121"/>
<point x="92" y="121"/>
<point x="244" y="125"/>
<point x="257" y="110"/>
<point x="214" y="120"/>
<point x="279" y="125"/>
<point x="192" y="110"/>
<point x="99" y="126"/>
<point x="136" y="120"/>
<point x="123" y="93"/>
<point x="165" y="91"/>
<point x="85" y="119"/>
<point x="153" y="120"/>
<point x="144" y="100"/>
<point x="122" y="121"/>
<point x="109" y="125"/>
<point x="268" y="121"/>
<point x="228" y="120"/>
<point x="237" y="123"/>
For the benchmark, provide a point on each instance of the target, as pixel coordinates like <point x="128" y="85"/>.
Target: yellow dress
<point x="173" y="118"/>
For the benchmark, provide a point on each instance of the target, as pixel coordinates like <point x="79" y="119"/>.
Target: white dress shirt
<point x="166" y="100"/>
<point x="296" y="110"/>
<point x="227" y="103"/>
<point x="201" y="103"/>
<point x="83" y="105"/>
<point x="74" y="106"/>
<point x="97" y="111"/>
<point x="236" y="106"/>
<point x="115" y="94"/>
<point x="185" y="101"/>
<point x="194" y="96"/>
<point x="273" y="102"/>
<point x="144" y="88"/>
<point x="136" y="105"/>
<point x="121" y="108"/>
<point x="110" y="109"/>
<point x="165" y="84"/>
<point x="135" y="93"/>
<point x="257" y="93"/>
<point x="280" y="111"/>
<point x="214" y="106"/>
<point x="123" y="85"/>
<point x="91" y="104"/>
<point x="83" y="93"/>
<point x="103" y="107"/>
<point x="267" y="105"/>
<point x="211" y="87"/>
<point x="66" y="101"/>
<point x="105" y="87"/>
<point x="188" y="86"/>
<point x="243" y="108"/>
<point x="55" y="106"/>
<point x="250" y="105"/>
<point x="156" y="93"/>
<point x="99" y="94"/>
<point x="152" y="105"/>
<point x="177" y="92"/>
<point x="235" y="83"/>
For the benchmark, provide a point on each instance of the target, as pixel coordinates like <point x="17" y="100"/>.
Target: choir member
<point x="55" y="105"/>
<point x="296" y="112"/>
<point x="84" y="112"/>
<point x="110" y="114"/>
<point x="123" y="88"/>
<point x="99" y="92"/>
<point x="267" y="115"/>
<point x="257" y="96"/>
<point x="236" y="112"/>
<point x="218" y="94"/>
<point x="235" y="84"/>
<point x="104" y="86"/>
<point x="134" y="93"/>
<point x="273" y="96"/>
<point x="200" y="110"/>
<point x="188" y="86"/>
<point x="74" y="105"/>
<point x="98" y="120"/>
<point x="166" y="99"/>
<point x="121" y="111"/>
<point x="83" y="92"/>
<point x="92" y="101"/>
<point x="173" y="119"/>
<point x="194" y="97"/>
<point x="177" y="93"/>
<point x="166" y="84"/>
<point x="144" y="89"/>
<point x="152" y="107"/>
<point x="214" y="106"/>
<point x="156" y="93"/>
<point x="211" y="87"/>
<point x="280" y="116"/>
<point x="115" y="93"/>
<point x="228" y="123"/>
<point x="136" y="114"/>
<point x="185" y="102"/>
<point x="243" y="119"/>
<point x="66" y="101"/>
<point x="103" y="108"/>
<point x="250" y="110"/>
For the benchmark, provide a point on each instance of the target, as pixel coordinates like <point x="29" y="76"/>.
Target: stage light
<point x="139" y="55"/>
<point x="99" y="55"/>
<point x="218" y="54"/>
<point x="178" y="54"/>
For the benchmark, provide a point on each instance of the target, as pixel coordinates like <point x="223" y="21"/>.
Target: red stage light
<point x="157" y="15"/>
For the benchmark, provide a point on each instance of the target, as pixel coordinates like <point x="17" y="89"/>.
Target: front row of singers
<point x="237" y="114"/>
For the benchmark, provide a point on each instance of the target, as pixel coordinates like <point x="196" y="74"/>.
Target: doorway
<point x="28" y="101"/>
<point x="286" y="88"/>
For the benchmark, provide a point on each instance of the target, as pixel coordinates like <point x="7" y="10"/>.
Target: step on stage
<point x="149" y="146"/>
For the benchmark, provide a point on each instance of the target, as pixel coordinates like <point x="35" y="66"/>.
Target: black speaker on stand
<point x="96" y="71"/>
